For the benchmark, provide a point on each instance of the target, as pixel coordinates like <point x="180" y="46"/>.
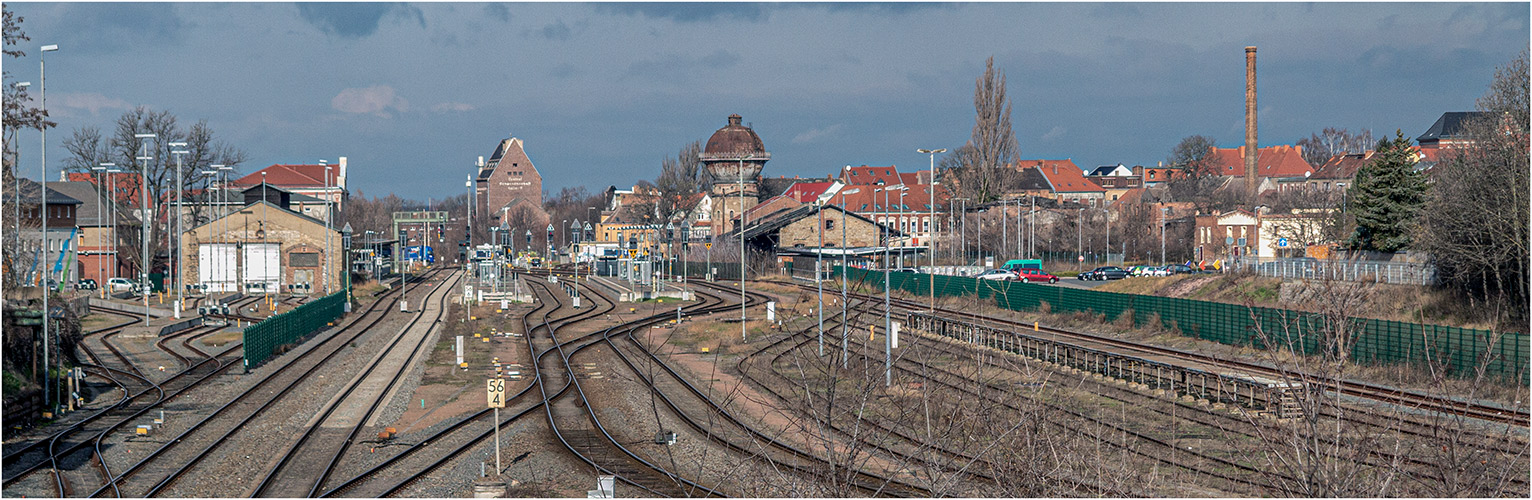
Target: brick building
<point x="60" y="212"/>
<point x="802" y="226"/>
<point x="264" y="247"/>
<point x="1233" y="233"/>
<point x="96" y="244"/>
<point x="507" y="182"/>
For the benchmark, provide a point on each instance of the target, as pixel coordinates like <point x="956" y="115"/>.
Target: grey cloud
<point x="118" y="26"/>
<point x="556" y="30"/>
<point x="498" y="11"/>
<point x="689" y="12"/>
<point x="354" y="20"/>
<point x="564" y="70"/>
<point x="672" y="65"/>
<point x="879" y="7"/>
<point x="1117" y="11"/>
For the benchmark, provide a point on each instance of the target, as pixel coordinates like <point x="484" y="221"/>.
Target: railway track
<point x="303" y="469"/>
<point x="1408" y="399"/>
<point x="1253" y="430"/>
<point x="696" y="407"/>
<point x="157" y="473"/>
<point x="1167" y="454"/>
<point x="416" y="462"/>
<point x="63" y="450"/>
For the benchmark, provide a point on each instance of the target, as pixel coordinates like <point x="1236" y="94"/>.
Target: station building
<point x="266" y="246"/>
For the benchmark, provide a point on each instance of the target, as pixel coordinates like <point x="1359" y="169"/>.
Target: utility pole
<point x="1162" y="235"/>
<point x="819" y="259"/>
<point x="844" y="281"/>
<point x="146" y="221"/>
<point x="180" y="267"/>
<point x="1080" y="228"/>
<point x="931" y="233"/>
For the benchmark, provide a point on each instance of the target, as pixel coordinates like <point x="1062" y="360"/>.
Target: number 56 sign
<point x="496" y="389"/>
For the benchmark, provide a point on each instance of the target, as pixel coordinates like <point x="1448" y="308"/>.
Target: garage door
<point x="262" y="265"/>
<point x="218" y="267"/>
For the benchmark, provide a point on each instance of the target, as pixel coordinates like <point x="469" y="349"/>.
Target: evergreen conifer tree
<point x="1386" y="196"/>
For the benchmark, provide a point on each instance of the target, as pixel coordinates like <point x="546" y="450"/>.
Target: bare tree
<point x="87" y="148"/>
<point x="1307" y="216"/>
<point x="1189" y="155"/>
<point x="1474" y="222"/>
<point x="1318" y="148"/>
<point x="680" y="177"/>
<point x="1325" y="454"/>
<point x="982" y="167"/>
<point x="19" y="113"/>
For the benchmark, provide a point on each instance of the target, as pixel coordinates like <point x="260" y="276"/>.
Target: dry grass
<point x="1414" y="304"/>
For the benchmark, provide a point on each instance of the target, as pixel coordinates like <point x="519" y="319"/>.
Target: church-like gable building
<point x="508" y="181"/>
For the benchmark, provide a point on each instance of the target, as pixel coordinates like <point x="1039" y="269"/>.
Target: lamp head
<point x="50" y="48"/>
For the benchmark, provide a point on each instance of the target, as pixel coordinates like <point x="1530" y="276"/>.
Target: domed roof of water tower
<point x="734" y="139"/>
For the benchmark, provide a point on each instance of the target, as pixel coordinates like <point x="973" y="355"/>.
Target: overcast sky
<point x="412" y="94"/>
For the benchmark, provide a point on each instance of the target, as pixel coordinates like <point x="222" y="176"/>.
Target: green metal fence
<point x="1375" y="341"/>
<point x="261" y="339"/>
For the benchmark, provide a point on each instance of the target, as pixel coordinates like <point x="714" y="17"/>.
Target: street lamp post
<point x="180" y="206"/>
<point x="17" y="179"/>
<point x="145" y="220"/>
<point x="741" y="228"/>
<point x="345" y="238"/>
<point x="930" y="235"/>
<point x="100" y="192"/>
<point x="844" y="281"/>
<point x="43" y="194"/>
<point x="819" y="259"/>
<point x="1163" y="211"/>
<point x="111" y="168"/>
<point x="1080" y="230"/>
<point x="888" y="366"/>
<point x="328" y="208"/>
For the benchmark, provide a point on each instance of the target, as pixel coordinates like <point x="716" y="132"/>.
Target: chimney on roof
<point x="481" y="162"/>
<point x="1250" y="123"/>
<point x="340" y="181"/>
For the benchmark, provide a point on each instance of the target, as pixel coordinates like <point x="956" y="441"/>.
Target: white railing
<point x="1360" y="270"/>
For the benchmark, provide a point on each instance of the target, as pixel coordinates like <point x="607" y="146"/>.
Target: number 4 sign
<point x="496" y="389"/>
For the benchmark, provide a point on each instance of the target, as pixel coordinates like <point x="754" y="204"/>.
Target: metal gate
<point x="263" y="267"/>
<point x="219" y="267"/>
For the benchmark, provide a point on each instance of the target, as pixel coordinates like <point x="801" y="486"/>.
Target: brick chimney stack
<point x="1251" y="148"/>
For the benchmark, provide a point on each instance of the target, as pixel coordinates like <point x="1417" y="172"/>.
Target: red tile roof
<point x="866" y="199"/>
<point x="865" y="175"/>
<point x="1272" y="161"/>
<point x="806" y="192"/>
<point x="124" y="186"/>
<point x="293" y="176"/>
<point x="1063" y="175"/>
<point x="1159" y="174"/>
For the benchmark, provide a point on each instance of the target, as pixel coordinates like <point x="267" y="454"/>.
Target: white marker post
<point x="496" y="389"/>
<point x="771" y="312"/>
<point x="459" y="350"/>
<point x="893" y="335"/>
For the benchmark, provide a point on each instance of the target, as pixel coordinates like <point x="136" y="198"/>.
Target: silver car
<point x="997" y="274"/>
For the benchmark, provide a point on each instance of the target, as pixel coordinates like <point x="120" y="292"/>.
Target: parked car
<point x="121" y="284"/>
<point x="1104" y="273"/>
<point x="86" y="284"/>
<point x="1181" y="269"/>
<point x="997" y="274"/>
<point x="1029" y="275"/>
<point x="1158" y="271"/>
